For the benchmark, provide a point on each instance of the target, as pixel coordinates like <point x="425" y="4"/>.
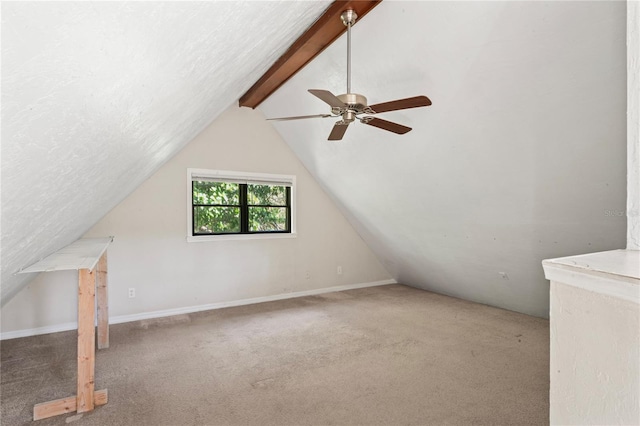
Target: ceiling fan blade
<point x="299" y="117"/>
<point x="416" y="101"/>
<point x="386" y="125"/>
<point x="338" y="131"/>
<point x="327" y="97"/>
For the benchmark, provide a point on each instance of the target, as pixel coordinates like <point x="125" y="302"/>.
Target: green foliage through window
<point x="237" y="208"/>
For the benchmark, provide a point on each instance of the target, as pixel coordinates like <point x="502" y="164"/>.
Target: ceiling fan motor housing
<point x="354" y="102"/>
<point x="349" y="106"/>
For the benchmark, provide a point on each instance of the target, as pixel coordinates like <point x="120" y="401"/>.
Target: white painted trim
<point x="617" y="286"/>
<point x="191" y="309"/>
<point x="633" y="125"/>
<point x="40" y="330"/>
<point x="227" y="174"/>
<point x="205" y="238"/>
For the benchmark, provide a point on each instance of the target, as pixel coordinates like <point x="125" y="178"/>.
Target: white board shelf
<point x="82" y="254"/>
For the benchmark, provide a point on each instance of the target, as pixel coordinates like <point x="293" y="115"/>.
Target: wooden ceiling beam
<point x="317" y="38"/>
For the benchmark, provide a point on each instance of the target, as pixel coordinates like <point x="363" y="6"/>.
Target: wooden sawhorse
<point x="89" y="257"/>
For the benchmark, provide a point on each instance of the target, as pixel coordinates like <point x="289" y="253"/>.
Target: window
<point x="239" y="205"/>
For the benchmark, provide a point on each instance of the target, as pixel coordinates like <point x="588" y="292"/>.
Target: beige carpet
<point x="389" y="355"/>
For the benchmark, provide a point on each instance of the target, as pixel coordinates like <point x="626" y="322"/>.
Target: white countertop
<point x="613" y="273"/>
<point x="624" y="263"/>
<point x="81" y="254"/>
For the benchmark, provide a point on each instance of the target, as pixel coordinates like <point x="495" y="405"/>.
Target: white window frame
<point x="240" y="177"/>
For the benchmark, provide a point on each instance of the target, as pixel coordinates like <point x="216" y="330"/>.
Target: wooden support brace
<point x="66" y="405"/>
<point x="103" y="302"/>
<point x="321" y="34"/>
<point x="86" y="339"/>
<point x="92" y="287"/>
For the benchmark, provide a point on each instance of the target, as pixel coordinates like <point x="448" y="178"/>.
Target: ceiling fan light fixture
<point x="349" y="117"/>
<point x="349" y="105"/>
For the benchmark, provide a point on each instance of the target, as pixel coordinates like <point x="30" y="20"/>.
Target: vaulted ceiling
<point x="96" y="96"/>
<point x="518" y="159"/>
<point x="521" y="157"/>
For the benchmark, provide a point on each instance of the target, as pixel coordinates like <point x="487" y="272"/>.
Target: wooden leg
<point x="103" y="302"/>
<point x="66" y="405"/>
<point x="87" y="398"/>
<point x="86" y="339"/>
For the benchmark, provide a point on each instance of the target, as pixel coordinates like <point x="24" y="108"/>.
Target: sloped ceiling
<point x="96" y="96"/>
<point x="521" y="157"/>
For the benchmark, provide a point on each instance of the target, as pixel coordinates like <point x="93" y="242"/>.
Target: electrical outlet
<point x="339" y="270"/>
<point x="132" y="293"/>
<point x="308" y="275"/>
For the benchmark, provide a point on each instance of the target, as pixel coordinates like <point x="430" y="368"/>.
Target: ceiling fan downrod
<point x="348" y="19"/>
<point x="348" y="106"/>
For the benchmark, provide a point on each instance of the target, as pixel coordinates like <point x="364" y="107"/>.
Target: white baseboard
<point x="40" y="330"/>
<point x="190" y="309"/>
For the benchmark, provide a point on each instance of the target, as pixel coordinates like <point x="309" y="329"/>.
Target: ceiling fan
<point x="350" y="105"/>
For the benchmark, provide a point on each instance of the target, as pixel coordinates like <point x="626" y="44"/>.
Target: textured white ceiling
<point x="96" y="96"/>
<point x="520" y="158"/>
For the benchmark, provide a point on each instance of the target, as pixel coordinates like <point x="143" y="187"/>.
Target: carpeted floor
<point x="389" y="355"/>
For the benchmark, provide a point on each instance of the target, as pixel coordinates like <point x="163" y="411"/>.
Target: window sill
<point x="237" y="237"/>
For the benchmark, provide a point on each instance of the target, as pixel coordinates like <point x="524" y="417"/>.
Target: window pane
<point x="215" y="193"/>
<point x="267" y="219"/>
<point x="267" y="195"/>
<point x="210" y="220"/>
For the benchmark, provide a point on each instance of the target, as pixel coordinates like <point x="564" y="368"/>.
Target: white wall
<point x="521" y="157"/>
<point x="594" y="358"/>
<point x="595" y="344"/>
<point x="96" y="96"/>
<point x="633" y="125"/>
<point x="150" y="251"/>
